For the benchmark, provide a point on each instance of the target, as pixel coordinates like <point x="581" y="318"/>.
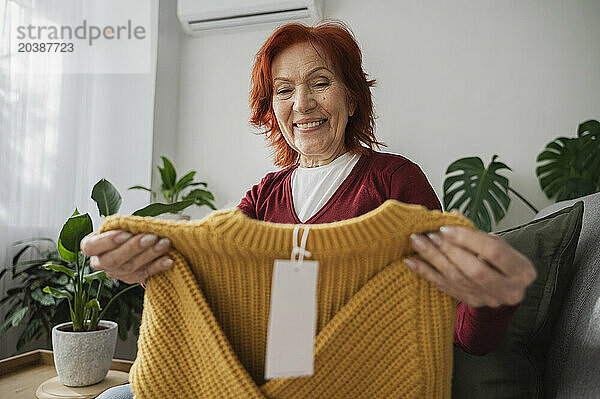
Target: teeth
<point x="310" y="124"/>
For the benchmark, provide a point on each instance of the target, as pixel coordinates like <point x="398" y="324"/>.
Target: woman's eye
<point x="321" y="84"/>
<point x="283" y="91"/>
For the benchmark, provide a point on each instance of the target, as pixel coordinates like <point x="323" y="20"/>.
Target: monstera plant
<point x="568" y="168"/>
<point x="475" y="190"/>
<point x="571" y="166"/>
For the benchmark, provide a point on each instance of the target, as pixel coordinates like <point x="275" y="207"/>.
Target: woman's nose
<point x="303" y="100"/>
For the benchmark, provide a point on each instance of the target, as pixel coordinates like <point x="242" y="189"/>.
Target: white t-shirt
<point x="313" y="187"/>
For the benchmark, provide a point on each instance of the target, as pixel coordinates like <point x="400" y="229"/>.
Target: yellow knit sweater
<point x="382" y="330"/>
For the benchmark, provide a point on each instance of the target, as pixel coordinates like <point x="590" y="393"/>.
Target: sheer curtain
<point x="60" y="133"/>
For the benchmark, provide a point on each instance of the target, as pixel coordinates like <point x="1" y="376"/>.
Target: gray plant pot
<point x="83" y="358"/>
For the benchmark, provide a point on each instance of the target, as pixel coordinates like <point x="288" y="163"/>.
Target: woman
<point x="310" y="93"/>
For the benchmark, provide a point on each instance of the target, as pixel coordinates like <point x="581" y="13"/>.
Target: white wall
<point x="455" y="79"/>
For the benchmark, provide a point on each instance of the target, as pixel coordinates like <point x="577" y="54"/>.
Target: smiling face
<point x="310" y="103"/>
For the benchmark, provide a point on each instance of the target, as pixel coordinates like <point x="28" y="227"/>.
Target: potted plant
<point x="38" y="311"/>
<point x="171" y="190"/>
<point x="84" y="347"/>
<point x="570" y="168"/>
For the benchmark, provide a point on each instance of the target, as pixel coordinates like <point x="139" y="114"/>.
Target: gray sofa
<point x="573" y="359"/>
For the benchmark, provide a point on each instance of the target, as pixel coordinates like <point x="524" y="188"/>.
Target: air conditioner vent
<point x="196" y="16"/>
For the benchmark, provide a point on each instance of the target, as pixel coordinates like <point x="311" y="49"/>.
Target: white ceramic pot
<point x="83" y="358"/>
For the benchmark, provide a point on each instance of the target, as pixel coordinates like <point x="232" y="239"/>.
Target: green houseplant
<point x="40" y="310"/>
<point x="84" y="309"/>
<point x="92" y="339"/>
<point x="28" y="303"/>
<point x="172" y="189"/>
<point x="475" y="190"/>
<point x="571" y="165"/>
<point x="570" y="168"/>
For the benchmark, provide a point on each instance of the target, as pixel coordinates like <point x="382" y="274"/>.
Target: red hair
<point x="342" y="50"/>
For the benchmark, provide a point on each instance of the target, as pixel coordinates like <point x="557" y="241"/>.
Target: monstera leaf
<point x="477" y="191"/>
<point x="570" y="167"/>
<point x="589" y="133"/>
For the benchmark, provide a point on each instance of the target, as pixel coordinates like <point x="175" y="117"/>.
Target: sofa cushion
<point x="515" y="368"/>
<point x="573" y="366"/>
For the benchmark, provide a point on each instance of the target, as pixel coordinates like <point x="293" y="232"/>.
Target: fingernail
<point x="417" y="242"/>
<point x="148" y="240"/>
<point x="162" y="244"/>
<point x="447" y="230"/>
<point x="167" y="262"/>
<point x="437" y="240"/>
<point x="410" y="262"/>
<point x="121" y="238"/>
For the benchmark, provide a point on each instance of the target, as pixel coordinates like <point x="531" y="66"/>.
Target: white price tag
<point x="292" y="318"/>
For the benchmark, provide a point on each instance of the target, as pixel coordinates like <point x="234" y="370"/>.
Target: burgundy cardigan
<point x="376" y="178"/>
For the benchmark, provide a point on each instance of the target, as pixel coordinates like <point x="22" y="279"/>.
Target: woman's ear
<point x="351" y="106"/>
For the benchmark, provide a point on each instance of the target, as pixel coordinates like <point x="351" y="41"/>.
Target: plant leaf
<point x="199" y="194"/>
<point x="158" y="208"/>
<point x="65" y="253"/>
<point x="107" y="198"/>
<point x="60" y="279"/>
<point x="589" y="127"/>
<point x="570" y="167"/>
<point x="139" y="188"/>
<point x="93" y="304"/>
<point x="75" y="228"/>
<point x="589" y="134"/>
<point x="59" y="268"/>
<point x="43" y="299"/>
<point x="201" y="197"/>
<point x="98" y="275"/>
<point x="15" y="318"/>
<point x="167" y="173"/>
<point x="184" y="182"/>
<point x="58" y="293"/>
<point x="200" y="183"/>
<point x="476" y="190"/>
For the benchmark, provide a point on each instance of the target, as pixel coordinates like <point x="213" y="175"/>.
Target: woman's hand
<point x="474" y="267"/>
<point x="127" y="257"/>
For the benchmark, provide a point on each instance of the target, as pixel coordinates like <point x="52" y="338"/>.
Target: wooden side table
<point x="21" y="375"/>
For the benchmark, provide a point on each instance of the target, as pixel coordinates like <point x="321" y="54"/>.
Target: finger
<point x="492" y="248"/>
<point x="147" y="256"/>
<point x="143" y="274"/>
<point x="96" y="244"/>
<point x="431" y="254"/>
<point x="114" y="259"/>
<point x="471" y="266"/>
<point x="476" y="298"/>
<point x="494" y="286"/>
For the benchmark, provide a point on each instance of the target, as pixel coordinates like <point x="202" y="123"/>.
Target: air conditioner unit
<point x="200" y="15"/>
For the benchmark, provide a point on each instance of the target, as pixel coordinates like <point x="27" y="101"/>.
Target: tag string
<point x="300" y="251"/>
